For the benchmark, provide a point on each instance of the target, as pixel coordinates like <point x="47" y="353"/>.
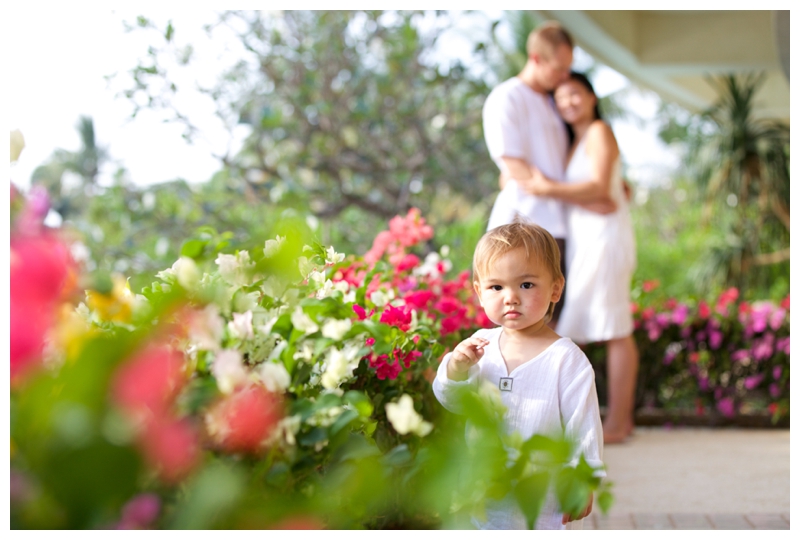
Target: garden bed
<point x="690" y="418"/>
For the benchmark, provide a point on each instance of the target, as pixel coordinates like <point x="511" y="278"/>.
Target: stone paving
<point x="698" y="479"/>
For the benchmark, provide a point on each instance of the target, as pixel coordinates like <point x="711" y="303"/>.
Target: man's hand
<point x="538" y="184"/>
<point x="465" y="355"/>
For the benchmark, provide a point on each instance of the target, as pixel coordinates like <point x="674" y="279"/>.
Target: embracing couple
<point x="560" y="168"/>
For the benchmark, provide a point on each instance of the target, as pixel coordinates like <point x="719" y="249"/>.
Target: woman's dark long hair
<point x="581" y="79"/>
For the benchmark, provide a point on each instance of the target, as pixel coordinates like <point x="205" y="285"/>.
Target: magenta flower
<point x="740" y="355"/>
<point x="726" y="406"/>
<point x="753" y="381"/>
<point x="714" y="339"/>
<point x="140" y="512"/>
<point x="776" y="372"/>
<point x="680" y="314"/>
<point x="774" y="390"/>
<point x="763" y="348"/>
<point x="399" y="317"/>
<point x="783" y="345"/>
<point x="776" y="319"/>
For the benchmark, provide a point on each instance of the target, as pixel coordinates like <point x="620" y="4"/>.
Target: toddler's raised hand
<point x="465" y="355"/>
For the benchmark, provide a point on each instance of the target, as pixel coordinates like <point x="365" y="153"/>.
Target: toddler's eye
<point x="527" y="285"/>
<point x="496" y="288"/>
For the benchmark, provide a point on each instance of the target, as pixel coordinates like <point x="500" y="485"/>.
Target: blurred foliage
<point x="341" y="107"/>
<point x="741" y="166"/>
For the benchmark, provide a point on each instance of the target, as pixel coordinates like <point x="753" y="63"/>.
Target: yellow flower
<point x="71" y="332"/>
<point x="116" y="306"/>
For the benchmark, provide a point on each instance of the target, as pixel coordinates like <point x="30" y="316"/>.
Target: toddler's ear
<point x="558" y="288"/>
<point x="477" y="287"/>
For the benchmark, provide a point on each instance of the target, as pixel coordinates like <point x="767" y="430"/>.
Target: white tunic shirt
<point x="550" y="394"/>
<point x="521" y="123"/>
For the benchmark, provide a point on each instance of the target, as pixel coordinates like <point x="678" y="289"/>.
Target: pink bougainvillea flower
<point x="783" y="345"/>
<point x="419" y="300"/>
<point x="370" y="341"/>
<point x="725" y="299"/>
<point x="245" y="419"/>
<point x="714" y="339"/>
<point x="448" y="305"/>
<point x="453" y="324"/>
<point x="740" y="355"/>
<point x="764" y="348"/>
<point x="726" y="407"/>
<point x="634" y="308"/>
<point x="703" y="310"/>
<point x="397" y="316"/>
<point x="785" y="303"/>
<point x="774" y="390"/>
<point x="772" y="408"/>
<point x="776" y="318"/>
<point x="140" y="512"/>
<point x="649" y="286"/>
<point x="40" y="269"/>
<point x="407" y="263"/>
<point x="150" y="380"/>
<point x="648" y="313"/>
<point x="384" y="369"/>
<point x="753" y="381"/>
<point x="361" y="313"/>
<point x="694" y="356"/>
<point x="171" y="447"/>
<point x="776" y="372"/>
<point x="680" y="314"/>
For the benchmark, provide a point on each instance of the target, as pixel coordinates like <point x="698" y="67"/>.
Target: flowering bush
<point x="284" y="386"/>
<point x="726" y="357"/>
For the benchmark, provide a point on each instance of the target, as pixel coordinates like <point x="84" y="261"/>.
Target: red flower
<point x="694" y="357"/>
<point x="408" y="262"/>
<point x="773" y="408"/>
<point x="651" y="285"/>
<point x="171" y="447"/>
<point x="419" y="299"/>
<point x="634" y="308"/>
<point x="384" y="369"/>
<point x="370" y="341"/>
<point x="448" y="305"/>
<point x="785" y="303"/>
<point x="453" y="324"/>
<point x="247" y="417"/>
<point x="150" y="380"/>
<point x="703" y="310"/>
<point x="362" y="314"/>
<point x="399" y="317"/>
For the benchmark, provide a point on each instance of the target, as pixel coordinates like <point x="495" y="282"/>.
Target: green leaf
<point x="359" y="401"/>
<point x="530" y="493"/>
<point x="344" y="419"/>
<point x="193" y="248"/>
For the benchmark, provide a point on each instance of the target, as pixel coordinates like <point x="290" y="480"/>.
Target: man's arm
<point x="515" y="168"/>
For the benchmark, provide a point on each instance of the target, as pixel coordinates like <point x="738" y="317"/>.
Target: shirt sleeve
<point x="580" y="411"/>
<point x="447" y="391"/>
<point x="502" y="126"/>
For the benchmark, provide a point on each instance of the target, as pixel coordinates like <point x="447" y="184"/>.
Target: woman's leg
<point x="622" y="366"/>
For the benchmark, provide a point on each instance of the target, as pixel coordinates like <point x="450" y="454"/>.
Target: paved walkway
<point x="698" y="478"/>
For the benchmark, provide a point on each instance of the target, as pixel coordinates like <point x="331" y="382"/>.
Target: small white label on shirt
<point x="506" y="383"/>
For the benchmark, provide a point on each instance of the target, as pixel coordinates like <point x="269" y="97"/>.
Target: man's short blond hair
<point x="546" y="38"/>
<point x="538" y="244"/>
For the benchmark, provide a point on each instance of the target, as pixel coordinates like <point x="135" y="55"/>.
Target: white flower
<point x="405" y="419"/>
<point x="187" y="273"/>
<point x="229" y="370"/>
<point x="316" y="276"/>
<point x="235" y="269"/>
<point x="381" y="298"/>
<point x="339" y="367"/>
<point x="17" y="144"/>
<point x="430" y="267"/>
<point x="266" y="328"/>
<point x="273" y="287"/>
<point x="271" y="247"/>
<point x="303" y="322"/>
<point x="336" y="329"/>
<point x="306" y="353"/>
<point x="326" y="290"/>
<point x="331" y="257"/>
<point x="206" y="328"/>
<point x="274" y="376"/>
<point x="242" y="325"/>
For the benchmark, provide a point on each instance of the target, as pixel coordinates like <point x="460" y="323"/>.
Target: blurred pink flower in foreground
<point x="243" y="421"/>
<point x="40" y="269"/>
<point x="140" y="512"/>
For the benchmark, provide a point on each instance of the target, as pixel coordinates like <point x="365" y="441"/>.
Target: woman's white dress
<point x="600" y="258"/>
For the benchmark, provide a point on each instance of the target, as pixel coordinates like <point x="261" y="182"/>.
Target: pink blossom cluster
<point x="403" y="233"/>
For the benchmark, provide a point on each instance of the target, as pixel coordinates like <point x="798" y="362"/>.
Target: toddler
<point x="546" y="381"/>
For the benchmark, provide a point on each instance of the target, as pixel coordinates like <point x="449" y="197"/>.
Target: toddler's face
<point x="516" y="291"/>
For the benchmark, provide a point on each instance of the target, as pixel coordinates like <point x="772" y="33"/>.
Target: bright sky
<point x="60" y="58"/>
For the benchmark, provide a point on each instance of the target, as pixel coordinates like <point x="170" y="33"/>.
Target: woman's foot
<point x="611" y="435"/>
